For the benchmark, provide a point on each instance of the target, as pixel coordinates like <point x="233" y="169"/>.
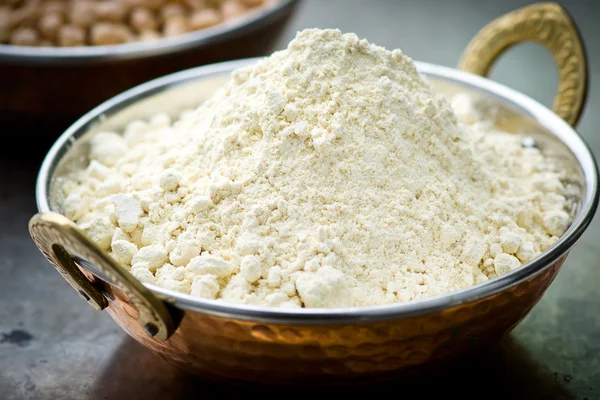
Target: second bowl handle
<point x="545" y="23"/>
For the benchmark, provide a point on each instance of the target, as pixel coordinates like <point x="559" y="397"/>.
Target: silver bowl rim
<point x="30" y="55"/>
<point x="545" y="117"/>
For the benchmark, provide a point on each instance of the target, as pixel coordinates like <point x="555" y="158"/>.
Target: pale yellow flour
<point x="329" y="174"/>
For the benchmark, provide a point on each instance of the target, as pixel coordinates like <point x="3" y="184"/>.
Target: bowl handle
<point x="545" y="23"/>
<point x="59" y="239"/>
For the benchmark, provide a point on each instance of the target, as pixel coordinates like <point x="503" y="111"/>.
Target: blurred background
<point x="52" y="345"/>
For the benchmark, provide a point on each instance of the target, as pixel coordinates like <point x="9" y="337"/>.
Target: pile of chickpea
<point x="108" y="22"/>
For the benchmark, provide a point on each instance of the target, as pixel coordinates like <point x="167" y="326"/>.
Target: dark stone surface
<point x="54" y="346"/>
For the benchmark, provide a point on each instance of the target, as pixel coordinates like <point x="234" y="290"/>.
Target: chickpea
<point x="5" y="27"/>
<point x="82" y="14"/>
<point x="71" y="35"/>
<point x="49" y="25"/>
<point x="104" y="33"/>
<point x="24" y="17"/>
<point x="232" y="9"/>
<point x="4" y="34"/>
<point x="5" y="11"/>
<point x="149" y="35"/>
<point x="204" y="19"/>
<point x="252" y="3"/>
<point x="14" y="3"/>
<point x="196" y="4"/>
<point x="112" y="11"/>
<point x="54" y="6"/>
<point x="24" y="37"/>
<point x="171" y="10"/>
<point x="142" y="19"/>
<point x="175" y="25"/>
<point x="213" y="3"/>
<point x="151" y="4"/>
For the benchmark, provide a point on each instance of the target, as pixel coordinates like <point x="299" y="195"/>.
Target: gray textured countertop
<point x="54" y="346"/>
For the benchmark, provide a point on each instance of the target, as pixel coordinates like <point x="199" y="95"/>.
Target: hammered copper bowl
<point x="50" y="87"/>
<point x="349" y="345"/>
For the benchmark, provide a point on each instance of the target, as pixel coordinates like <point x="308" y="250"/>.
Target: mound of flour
<point x="329" y="174"/>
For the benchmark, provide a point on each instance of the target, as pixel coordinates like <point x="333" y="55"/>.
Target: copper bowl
<point x="50" y="87"/>
<point x="346" y="345"/>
